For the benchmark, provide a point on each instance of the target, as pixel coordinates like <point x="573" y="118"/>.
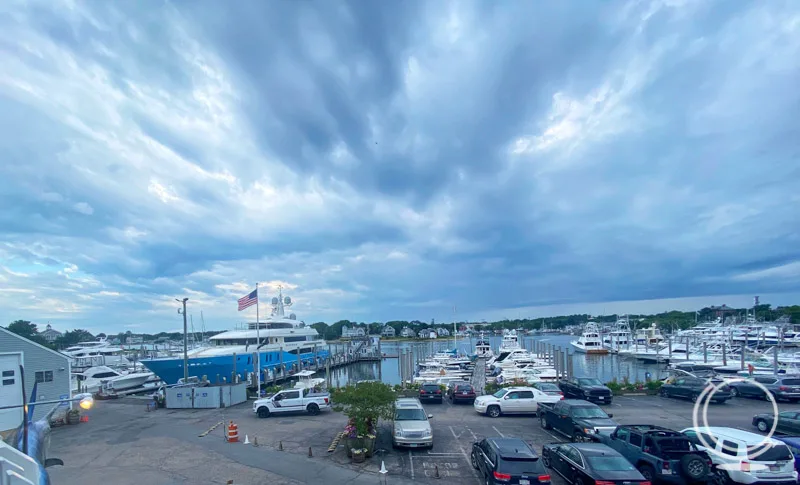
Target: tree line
<point x="667" y="321"/>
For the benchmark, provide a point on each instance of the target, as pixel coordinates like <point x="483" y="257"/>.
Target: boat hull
<point x="223" y="366"/>
<point x="584" y="350"/>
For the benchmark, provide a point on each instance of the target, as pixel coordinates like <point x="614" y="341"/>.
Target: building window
<point x="8" y="382"/>
<point x="44" y="376"/>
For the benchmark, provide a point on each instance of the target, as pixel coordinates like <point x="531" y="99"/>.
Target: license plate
<point x="666" y="472"/>
<point x="774" y="468"/>
<point x="522" y="481"/>
<point x="413" y="445"/>
<point x="601" y="398"/>
<point x="465" y="393"/>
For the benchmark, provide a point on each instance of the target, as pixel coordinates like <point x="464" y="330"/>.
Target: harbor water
<point x="604" y="367"/>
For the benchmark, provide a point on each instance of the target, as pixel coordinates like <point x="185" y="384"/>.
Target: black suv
<point x="660" y="454"/>
<point x="431" y="392"/>
<point x="508" y="460"/>
<point x="692" y="388"/>
<point x="588" y="388"/>
<point x="786" y="388"/>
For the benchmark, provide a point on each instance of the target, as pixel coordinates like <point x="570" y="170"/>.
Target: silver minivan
<point x="411" y="426"/>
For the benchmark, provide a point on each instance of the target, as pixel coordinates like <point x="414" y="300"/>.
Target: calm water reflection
<point x="605" y="367"/>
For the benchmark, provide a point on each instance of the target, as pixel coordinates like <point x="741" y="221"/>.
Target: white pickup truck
<point x="292" y="401"/>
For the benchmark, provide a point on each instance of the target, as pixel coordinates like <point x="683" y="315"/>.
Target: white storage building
<point x="49" y="368"/>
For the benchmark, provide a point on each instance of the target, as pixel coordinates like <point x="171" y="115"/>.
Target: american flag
<point x="249" y="300"/>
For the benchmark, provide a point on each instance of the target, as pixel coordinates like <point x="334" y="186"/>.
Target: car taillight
<point x="645" y="483"/>
<point x="783" y="388"/>
<point x="326" y="400"/>
<point x="544" y="478"/>
<point x="438" y="392"/>
<point x="421" y="391"/>
<point x="745" y="466"/>
<point x="503" y="477"/>
<point x="665" y="466"/>
<point x="603" y="482"/>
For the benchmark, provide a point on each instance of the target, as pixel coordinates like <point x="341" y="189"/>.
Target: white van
<point x="746" y="457"/>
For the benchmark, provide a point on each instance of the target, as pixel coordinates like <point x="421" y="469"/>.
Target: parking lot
<point x="166" y="446"/>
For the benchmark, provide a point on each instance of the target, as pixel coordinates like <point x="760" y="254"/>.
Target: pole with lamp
<point x="185" y="341"/>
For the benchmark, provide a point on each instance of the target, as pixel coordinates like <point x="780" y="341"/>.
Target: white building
<point x="442" y="332"/>
<point x="49" y="369"/>
<point x="388" y="332"/>
<point x="408" y="333"/>
<point x="49" y="334"/>
<point x="354" y="332"/>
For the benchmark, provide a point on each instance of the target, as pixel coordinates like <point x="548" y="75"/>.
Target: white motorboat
<point x="619" y="337"/>
<point x="590" y="341"/>
<point x="483" y="348"/>
<point x="306" y="380"/>
<point x="510" y="341"/>
<point x="106" y="378"/>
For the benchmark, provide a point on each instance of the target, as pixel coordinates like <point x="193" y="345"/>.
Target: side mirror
<point x="610" y="415"/>
<point x="613" y="436"/>
<point x="564" y="416"/>
<point x="430" y="416"/>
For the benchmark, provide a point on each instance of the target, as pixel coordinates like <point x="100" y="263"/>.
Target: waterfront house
<point x="388" y="332"/>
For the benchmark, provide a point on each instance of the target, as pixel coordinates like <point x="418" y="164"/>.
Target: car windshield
<point x="500" y="393"/>
<point x="409" y="415"/>
<point x="768" y="452"/>
<point x="588" y="412"/>
<point x="590" y="381"/>
<point x="527" y="466"/>
<point x="463" y="388"/>
<point x="430" y="387"/>
<point x="610" y="463"/>
<point x="548" y="387"/>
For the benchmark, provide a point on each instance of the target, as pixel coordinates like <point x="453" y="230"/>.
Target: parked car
<point x="575" y="419"/>
<point x="587" y="388"/>
<point x="431" y="393"/>
<point x="511" y="400"/>
<point x="590" y="463"/>
<point x="746" y="457"/>
<point x="788" y="422"/>
<point x="458" y="391"/>
<point x="410" y="426"/>
<point x="549" y="388"/>
<point x="292" y="400"/>
<point x="660" y="454"/>
<point x="781" y="388"/>
<point x="507" y="460"/>
<point x="793" y="442"/>
<point x="692" y="388"/>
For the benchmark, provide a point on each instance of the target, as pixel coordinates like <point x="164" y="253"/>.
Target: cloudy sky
<point x="389" y="160"/>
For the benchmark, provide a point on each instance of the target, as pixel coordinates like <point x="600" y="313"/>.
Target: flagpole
<point x="258" y="350"/>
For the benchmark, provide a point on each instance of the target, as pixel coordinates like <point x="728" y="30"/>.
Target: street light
<point x="185" y="341"/>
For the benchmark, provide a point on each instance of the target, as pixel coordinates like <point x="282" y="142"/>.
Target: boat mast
<point x="455" y="335"/>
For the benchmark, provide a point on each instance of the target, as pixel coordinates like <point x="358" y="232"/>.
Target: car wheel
<point x="544" y="423"/>
<point x="647" y="472"/>
<point x="263" y="412"/>
<point x="694" y="467"/>
<point x="734" y="392"/>
<point x="578" y="437"/>
<point x="761" y="425"/>
<point x="663" y="393"/>
<point x="694" y="397"/>
<point x="546" y="459"/>
<point x="493" y="411"/>
<point x="312" y="409"/>
<point x="473" y="461"/>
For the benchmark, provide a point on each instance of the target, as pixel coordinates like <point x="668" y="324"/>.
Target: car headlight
<point x="398" y="433"/>
<point x="427" y="433"/>
<point x="589" y="431"/>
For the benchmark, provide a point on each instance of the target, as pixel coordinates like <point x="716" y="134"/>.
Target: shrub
<point x="364" y="404"/>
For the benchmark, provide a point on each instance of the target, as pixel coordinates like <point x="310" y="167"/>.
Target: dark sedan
<point x="501" y="461"/>
<point x="591" y="463"/>
<point x="431" y="393"/>
<point x="692" y="388"/>
<point x="781" y="388"/>
<point x="788" y="422"/>
<point x="461" y="392"/>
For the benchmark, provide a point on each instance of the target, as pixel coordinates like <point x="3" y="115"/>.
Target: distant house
<point x="348" y="332"/>
<point x="49" y="334"/>
<point x="442" y="332"/>
<point x="427" y="333"/>
<point x="388" y="332"/>
<point x="408" y="333"/>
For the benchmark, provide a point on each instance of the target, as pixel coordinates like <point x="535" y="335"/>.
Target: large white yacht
<point x="510" y="341"/>
<point x="619" y="337"/>
<point x="590" y="341"/>
<point x="283" y="340"/>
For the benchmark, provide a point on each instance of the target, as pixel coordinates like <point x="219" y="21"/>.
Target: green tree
<point x="365" y="403"/>
<point x="23" y="328"/>
<point x="72" y="337"/>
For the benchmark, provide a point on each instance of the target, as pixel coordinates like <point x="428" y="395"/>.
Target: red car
<point x="461" y="392"/>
